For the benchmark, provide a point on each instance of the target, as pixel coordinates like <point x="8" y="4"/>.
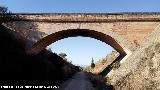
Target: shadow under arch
<point x="44" y="42"/>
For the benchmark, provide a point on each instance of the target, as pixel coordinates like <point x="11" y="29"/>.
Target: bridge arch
<point x="44" y="42"/>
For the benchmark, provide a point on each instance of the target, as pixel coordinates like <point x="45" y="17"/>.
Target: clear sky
<point x="79" y="49"/>
<point x="87" y="6"/>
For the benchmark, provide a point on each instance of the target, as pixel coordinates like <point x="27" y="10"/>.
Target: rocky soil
<point x="141" y="70"/>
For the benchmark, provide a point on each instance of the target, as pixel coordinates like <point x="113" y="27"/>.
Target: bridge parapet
<point x="89" y="17"/>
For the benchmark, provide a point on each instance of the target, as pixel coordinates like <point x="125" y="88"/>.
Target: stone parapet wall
<point x="89" y="17"/>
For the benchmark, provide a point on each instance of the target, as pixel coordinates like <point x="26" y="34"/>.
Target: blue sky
<point x="85" y="6"/>
<point x="79" y="49"/>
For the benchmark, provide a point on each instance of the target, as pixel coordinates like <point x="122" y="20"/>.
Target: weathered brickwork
<point x="127" y="29"/>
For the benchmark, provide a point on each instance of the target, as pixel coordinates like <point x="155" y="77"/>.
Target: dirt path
<point x="78" y="82"/>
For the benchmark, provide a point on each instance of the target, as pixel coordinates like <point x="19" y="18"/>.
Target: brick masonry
<point x="127" y="29"/>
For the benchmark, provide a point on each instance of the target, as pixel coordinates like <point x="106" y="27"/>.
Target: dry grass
<point x="115" y="65"/>
<point x="99" y="65"/>
<point x="99" y="82"/>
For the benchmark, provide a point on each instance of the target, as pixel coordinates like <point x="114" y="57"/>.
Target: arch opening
<point x="44" y="42"/>
<point x="81" y="50"/>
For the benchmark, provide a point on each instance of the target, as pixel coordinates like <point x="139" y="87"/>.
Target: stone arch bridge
<point x="123" y="31"/>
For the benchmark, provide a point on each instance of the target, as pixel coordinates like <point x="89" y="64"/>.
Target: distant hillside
<point x="101" y="64"/>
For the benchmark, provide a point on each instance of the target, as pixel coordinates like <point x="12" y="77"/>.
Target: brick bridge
<point x="123" y="31"/>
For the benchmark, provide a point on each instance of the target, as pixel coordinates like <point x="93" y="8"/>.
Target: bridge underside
<point x="46" y="41"/>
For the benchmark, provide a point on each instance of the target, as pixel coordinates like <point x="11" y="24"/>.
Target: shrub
<point x="99" y="82"/>
<point x="92" y="63"/>
<point x="115" y="65"/>
<point x="3" y="12"/>
<point x="136" y="43"/>
<point x="157" y="48"/>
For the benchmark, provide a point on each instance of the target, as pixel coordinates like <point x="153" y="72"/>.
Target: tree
<point x="3" y="17"/>
<point x="63" y="55"/>
<point x="92" y="63"/>
<point x="3" y="10"/>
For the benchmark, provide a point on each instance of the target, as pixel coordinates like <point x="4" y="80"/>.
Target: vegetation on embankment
<point x="17" y="67"/>
<point x="99" y="82"/>
<point x="146" y="76"/>
<point x="141" y="70"/>
<point x="101" y="64"/>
